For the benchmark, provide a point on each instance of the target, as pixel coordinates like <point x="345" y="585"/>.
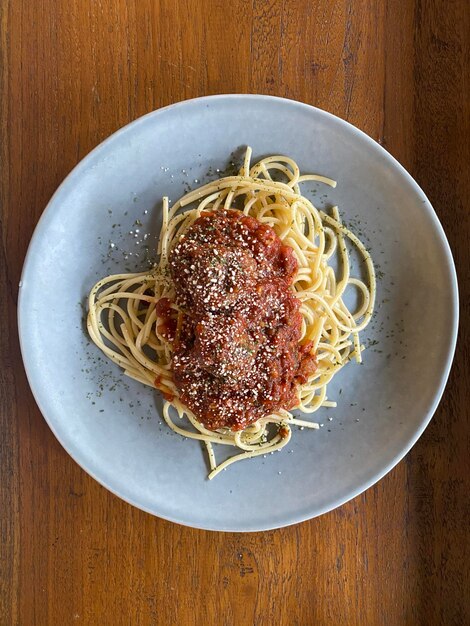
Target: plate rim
<point x="454" y="303"/>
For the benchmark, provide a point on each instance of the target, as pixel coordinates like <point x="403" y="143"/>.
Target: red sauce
<point x="168" y="316"/>
<point x="237" y="356"/>
<point x="159" y="383"/>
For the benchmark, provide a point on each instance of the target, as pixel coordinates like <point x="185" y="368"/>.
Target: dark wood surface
<point x="72" y="72"/>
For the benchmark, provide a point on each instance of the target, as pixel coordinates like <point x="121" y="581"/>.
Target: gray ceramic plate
<point x="111" y="426"/>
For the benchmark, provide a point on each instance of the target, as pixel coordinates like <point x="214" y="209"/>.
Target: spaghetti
<point x="126" y="323"/>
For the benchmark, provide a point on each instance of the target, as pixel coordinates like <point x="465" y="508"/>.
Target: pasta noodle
<point x="123" y="323"/>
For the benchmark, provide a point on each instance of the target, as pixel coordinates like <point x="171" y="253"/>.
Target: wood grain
<point x="72" y="72"/>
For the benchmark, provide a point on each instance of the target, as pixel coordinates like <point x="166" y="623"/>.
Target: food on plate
<point x="243" y="319"/>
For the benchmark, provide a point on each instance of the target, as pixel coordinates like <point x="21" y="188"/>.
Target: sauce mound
<point x="236" y="356"/>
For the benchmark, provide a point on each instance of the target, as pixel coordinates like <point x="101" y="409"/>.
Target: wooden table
<point x="73" y="72"/>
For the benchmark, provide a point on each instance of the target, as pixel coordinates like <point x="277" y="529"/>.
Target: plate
<point x="111" y="425"/>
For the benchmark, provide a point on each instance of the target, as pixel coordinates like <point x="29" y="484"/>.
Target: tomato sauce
<point x="237" y="356"/>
